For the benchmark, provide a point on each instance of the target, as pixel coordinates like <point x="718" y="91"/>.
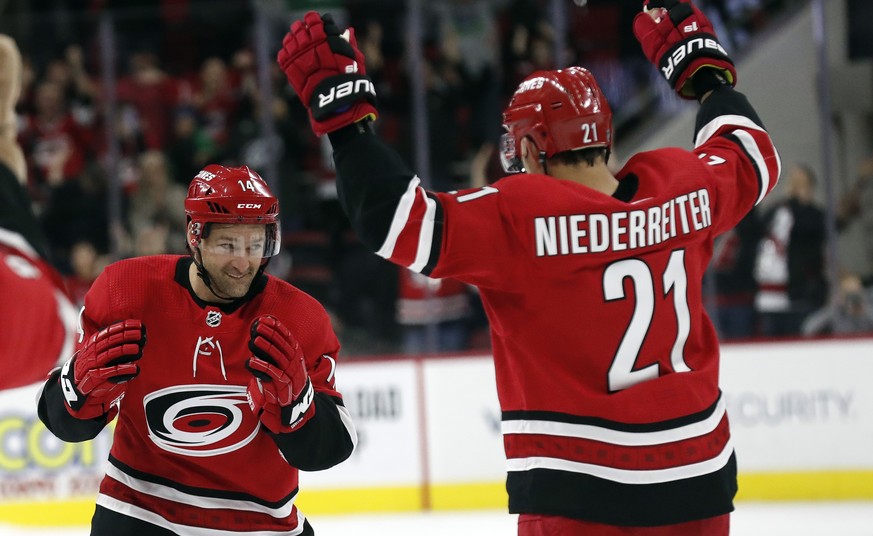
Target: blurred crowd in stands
<point x="186" y="93"/>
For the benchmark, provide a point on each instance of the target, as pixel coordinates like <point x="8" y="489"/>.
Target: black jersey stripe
<point x="200" y="492"/>
<point x="762" y="187"/>
<point x="371" y="180"/>
<point x="581" y="496"/>
<point x="567" y="418"/>
<point x="437" y="238"/>
<point x="724" y="102"/>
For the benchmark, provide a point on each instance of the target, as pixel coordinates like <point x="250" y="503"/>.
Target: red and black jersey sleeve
<point x="330" y="436"/>
<point x="50" y="405"/>
<point x="465" y="235"/>
<point x="731" y="140"/>
<point x="387" y="207"/>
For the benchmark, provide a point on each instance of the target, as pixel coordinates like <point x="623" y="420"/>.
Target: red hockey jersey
<point x="38" y="322"/>
<point x="188" y="454"/>
<point x="606" y="362"/>
<point x="39" y="330"/>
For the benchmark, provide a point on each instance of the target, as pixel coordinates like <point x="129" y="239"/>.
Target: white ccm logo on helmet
<point x="687" y="48"/>
<point x="248" y="205"/>
<point x="345" y="89"/>
<point x="200" y="420"/>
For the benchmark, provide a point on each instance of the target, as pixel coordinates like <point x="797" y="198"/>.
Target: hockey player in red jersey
<point x="221" y="376"/>
<point x="39" y="322"/>
<point x="606" y="362"/>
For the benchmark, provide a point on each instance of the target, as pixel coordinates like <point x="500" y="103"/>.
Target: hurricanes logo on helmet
<point x="534" y="83"/>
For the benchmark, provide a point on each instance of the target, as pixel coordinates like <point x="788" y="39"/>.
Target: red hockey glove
<point x="281" y="393"/>
<point x="326" y="69"/>
<point x="95" y="378"/>
<point x="679" y="41"/>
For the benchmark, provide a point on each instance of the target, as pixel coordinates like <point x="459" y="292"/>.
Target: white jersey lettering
<point x="577" y="234"/>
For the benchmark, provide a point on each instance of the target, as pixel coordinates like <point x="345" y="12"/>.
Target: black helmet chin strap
<point x="203" y="274"/>
<point x="544" y="163"/>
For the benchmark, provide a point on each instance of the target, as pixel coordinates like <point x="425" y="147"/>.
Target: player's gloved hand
<point x="281" y="393"/>
<point x="95" y="378"/>
<point x="326" y="69"/>
<point x="679" y="40"/>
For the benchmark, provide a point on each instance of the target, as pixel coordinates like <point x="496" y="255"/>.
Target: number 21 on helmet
<point x="558" y="111"/>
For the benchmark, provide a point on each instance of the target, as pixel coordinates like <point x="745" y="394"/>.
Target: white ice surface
<point x="750" y="519"/>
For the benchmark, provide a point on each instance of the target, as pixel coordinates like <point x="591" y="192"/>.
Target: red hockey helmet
<point x="231" y="195"/>
<point x="561" y="110"/>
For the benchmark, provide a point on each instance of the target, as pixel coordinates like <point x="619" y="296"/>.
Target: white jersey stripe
<point x="625" y="476"/>
<point x="68" y="314"/>
<point x="172" y="494"/>
<point x="186" y="530"/>
<point x="401" y="217"/>
<point x="425" y="236"/>
<point x="616" y="437"/>
<point x="346" y="418"/>
<point x="713" y="126"/>
<point x="754" y="151"/>
<point x="17" y="241"/>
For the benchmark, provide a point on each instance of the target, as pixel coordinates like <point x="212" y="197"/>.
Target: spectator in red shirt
<point x="56" y="146"/>
<point x="153" y="95"/>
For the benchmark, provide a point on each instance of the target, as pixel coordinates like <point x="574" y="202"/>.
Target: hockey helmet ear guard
<point x="233" y="195"/>
<point x="558" y="111"/>
<point x="510" y="158"/>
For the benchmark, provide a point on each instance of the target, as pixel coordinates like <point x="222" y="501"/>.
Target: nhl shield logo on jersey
<point x="200" y="420"/>
<point x="213" y="319"/>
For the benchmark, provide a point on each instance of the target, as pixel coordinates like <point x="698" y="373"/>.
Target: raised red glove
<point x="326" y="69"/>
<point x="680" y="41"/>
<point x="281" y="393"/>
<point x="95" y="378"/>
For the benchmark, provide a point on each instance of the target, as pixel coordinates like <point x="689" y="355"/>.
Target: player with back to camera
<point x="38" y="321"/>
<point x="606" y="362"/>
<point x="222" y="378"/>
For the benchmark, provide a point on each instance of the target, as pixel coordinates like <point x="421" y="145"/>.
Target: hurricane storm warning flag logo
<point x="200" y="420"/>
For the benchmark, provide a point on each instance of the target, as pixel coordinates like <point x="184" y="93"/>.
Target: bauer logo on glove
<point x="336" y="92"/>
<point x="326" y="69"/>
<point x="686" y="49"/>
<point x="678" y="39"/>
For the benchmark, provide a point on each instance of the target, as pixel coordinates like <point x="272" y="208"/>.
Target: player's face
<point x="232" y="255"/>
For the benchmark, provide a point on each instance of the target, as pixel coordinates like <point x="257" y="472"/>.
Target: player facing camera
<point x="233" y="230"/>
<point x="249" y="357"/>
